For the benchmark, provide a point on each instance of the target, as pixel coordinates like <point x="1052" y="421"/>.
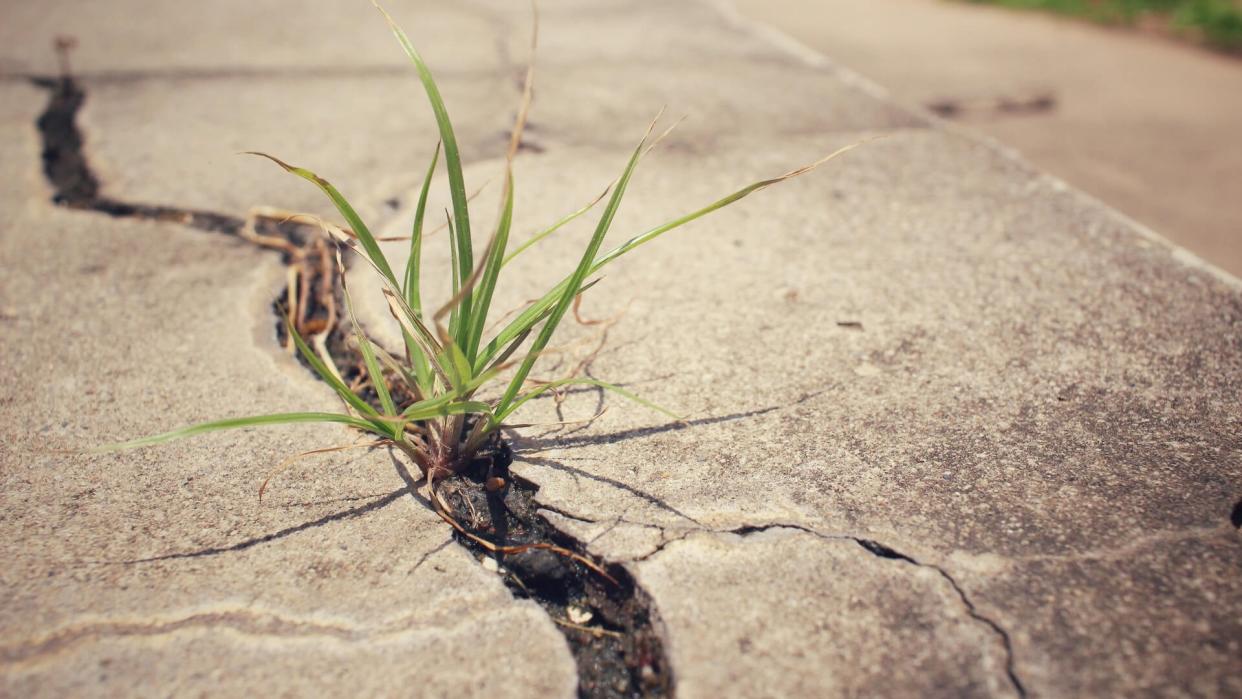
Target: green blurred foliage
<point x="1216" y="22"/>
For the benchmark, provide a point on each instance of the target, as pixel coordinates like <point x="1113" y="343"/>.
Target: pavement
<point x="1147" y="124"/>
<point x="954" y="428"/>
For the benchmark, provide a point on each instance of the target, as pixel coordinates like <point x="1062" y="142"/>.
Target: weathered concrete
<point x="339" y="121"/>
<point x="157" y="572"/>
<point x="1041" y="400"/>
<point x="909" y="634"/>
<point x="232" y="39"/>
<point x="1147" y="124"/>
<point x="1032" y="425"/>
<point x="1015" y="404"/>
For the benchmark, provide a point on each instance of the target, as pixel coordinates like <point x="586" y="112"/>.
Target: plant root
<point x="442" y="509"/>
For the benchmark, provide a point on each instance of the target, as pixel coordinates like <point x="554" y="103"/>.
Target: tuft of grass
<point x="1217" y="23"/>
<point x="457" y="384"/>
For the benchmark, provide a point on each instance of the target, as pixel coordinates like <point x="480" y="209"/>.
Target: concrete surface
<point x="157" y="572"/>
<point x="908" y="631"/>
<point x="1018" y="404"/>
<point x="1016" y="476"/>
<point x="1147" y="124"/>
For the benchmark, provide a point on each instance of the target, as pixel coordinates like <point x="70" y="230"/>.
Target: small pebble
<point x="578" y="615"/>
<point x="490" y="564"/>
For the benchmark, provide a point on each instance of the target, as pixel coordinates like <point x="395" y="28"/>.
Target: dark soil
<point x="626" y="657"/>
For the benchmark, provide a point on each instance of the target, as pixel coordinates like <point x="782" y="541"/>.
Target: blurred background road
<point x="1150" y="124"/>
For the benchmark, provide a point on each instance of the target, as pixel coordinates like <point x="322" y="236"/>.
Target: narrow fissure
<point x="65" y="166"/>
<point x="883" y="551"/>
<point x="880" y="550"/>
<point x="611" y="627"/>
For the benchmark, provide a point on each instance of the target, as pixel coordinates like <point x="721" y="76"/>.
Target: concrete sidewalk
<point x="956" y="429"/>
<point x="1148" y="125"/>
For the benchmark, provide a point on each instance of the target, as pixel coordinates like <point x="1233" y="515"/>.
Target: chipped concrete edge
<point x="814" y="58"/>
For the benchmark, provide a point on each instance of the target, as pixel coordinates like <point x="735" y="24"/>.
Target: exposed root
<point x="593" y="630"/>
<point x="442" y="509"/>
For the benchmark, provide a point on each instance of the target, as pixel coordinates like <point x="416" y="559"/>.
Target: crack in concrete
<point x="246" y="621"/>
<point x="666" y="542"/>
<point x="607" y="530"/>
<point x="637" y="660"/>
<point x="76" y="186"/>
<point x="568" y="515"/>
<point x="879" y="550"/>
<point x="622" y="520"/>
<point x="65" y="166"/>
<point x="883" y="551"/>
<point x="249" y="621"/>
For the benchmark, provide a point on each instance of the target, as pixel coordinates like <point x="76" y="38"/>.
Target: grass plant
<point x="456" y="385"/>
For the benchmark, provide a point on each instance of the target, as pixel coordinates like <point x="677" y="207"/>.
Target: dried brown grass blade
<point x="588" y="629"/>
<point x="528" y="86"/>
<point x="561" y="423"/>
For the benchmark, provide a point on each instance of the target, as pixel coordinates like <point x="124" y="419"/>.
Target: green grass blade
<point x="327" y="375"/>
<point x="495" y="255"/>
<point x="452" y="159"/>
<point x="421" y="374"/>
<point x="364" y="344"/>
<point x="458" y="368"/>
<point x="531" y="315"/>
<point x="413" y="275"/>
<point x="368" y="353"/>
<point x="398" y="369"/>
<point x="453" y="408"/>
<point x="440" y="409"/>
<point x="575" y="280"/>
<point x="414" y="327"/>
<point x="491" y="271"/>
<point x="435" y="407"/>
<point x="463" y="394"/>
<point x="508" y="351"/>
<point x="554" y="227"/>
<point x="376" y="374"/>
<point x="714" y="206"/>
<point x="511" y="337"/>
<point x="581" y="381"/>
<point x="413" y="265"/>
<point x="454" y="314"/>
<point x="342" y="205"/>
<point x="241" y="423"/>
<point x="429" y="403"/>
